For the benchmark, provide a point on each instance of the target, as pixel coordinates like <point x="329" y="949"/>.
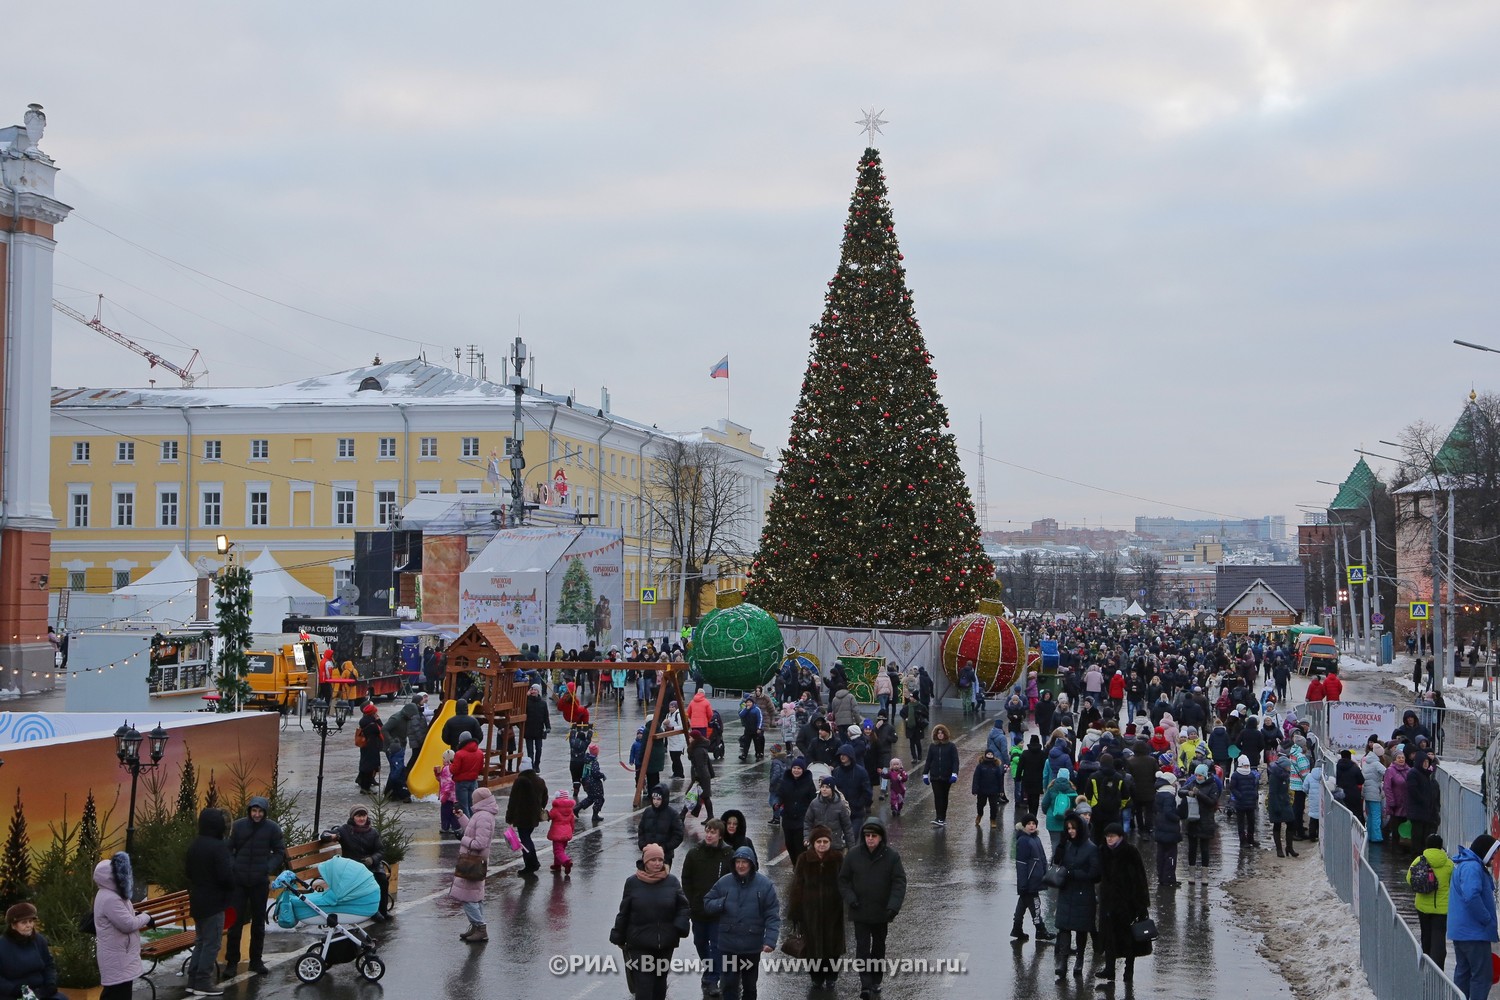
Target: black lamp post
<point x="128" y="749"/>
<point x="320" y="721"/>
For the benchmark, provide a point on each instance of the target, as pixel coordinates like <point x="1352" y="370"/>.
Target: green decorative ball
<point x="737" y="647"/>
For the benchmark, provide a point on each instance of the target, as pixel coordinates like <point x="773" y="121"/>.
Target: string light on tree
<point x="870" y="522"/>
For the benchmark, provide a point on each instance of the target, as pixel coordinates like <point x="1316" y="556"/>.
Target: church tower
<point x="28" y="213"/>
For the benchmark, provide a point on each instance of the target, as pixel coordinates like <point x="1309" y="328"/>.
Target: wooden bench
<point x="173" y="912"/>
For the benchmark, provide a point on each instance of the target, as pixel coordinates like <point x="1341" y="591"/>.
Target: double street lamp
<point x="128" y="741"/>
<point x="318" y="710"/>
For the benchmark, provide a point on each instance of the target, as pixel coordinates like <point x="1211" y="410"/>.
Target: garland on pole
<point x="233" y="604"/>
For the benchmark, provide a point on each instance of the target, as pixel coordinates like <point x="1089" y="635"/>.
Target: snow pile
<point x="1319" y="958"/>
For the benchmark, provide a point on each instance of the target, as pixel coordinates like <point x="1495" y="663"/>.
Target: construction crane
<point x="186" y="374"/>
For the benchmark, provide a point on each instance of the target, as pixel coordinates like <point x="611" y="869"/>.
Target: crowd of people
<point x="1153" y="735"/>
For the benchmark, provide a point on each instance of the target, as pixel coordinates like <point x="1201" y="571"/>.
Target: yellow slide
<point x="419" y="777"/>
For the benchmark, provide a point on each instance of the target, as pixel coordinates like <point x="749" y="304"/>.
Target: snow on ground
<point x="1319" y="958"/>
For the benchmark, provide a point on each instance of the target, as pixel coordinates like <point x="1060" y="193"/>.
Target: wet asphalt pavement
<point x="960" y="898"/>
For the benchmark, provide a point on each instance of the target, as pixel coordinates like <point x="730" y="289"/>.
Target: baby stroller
<point x="351" y="895"/>
<point x="716" y="735"/>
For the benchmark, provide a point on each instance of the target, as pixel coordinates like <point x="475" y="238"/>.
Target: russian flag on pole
<point x="720" y="369"/>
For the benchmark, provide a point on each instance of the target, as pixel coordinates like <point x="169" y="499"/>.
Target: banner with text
<point x="1351" y="723"/>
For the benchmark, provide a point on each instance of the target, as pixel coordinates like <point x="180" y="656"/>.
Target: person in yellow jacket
<point x="1432" y="907"/>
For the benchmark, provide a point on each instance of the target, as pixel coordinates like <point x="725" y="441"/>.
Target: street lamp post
<point x="320" y="720"/>
<point x="128" y="749"/>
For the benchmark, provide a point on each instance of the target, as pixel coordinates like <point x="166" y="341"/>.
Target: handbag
<point x="471" y="868"/>
<point x="1055" y="877"/>
<point x="795" y="943"/>
<point x="1144" y="929"/>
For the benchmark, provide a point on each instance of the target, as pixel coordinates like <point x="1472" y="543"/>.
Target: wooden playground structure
<point x="484" y="655"/>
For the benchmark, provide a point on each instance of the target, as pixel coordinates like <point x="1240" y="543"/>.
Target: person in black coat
<point x="1030" y="770"/>
<point x="701" y="775"/>
<point x="853" y="783"/>
<point x="660" y="824"/>
<point x="1423" y="797"/>
<point x="987" y="785"/>
<point x="210" y="874"/>
<point x="652" y="920"/>
<point x="1124" y="898"/>
<point x="1076" y="853"/>
<point x="360" y="841"/>
<point x="872" y="883"/>
<point x="1044" y="712"/>
<point x="1349" y="779"/>
<point x="538" y="724"/>
<point x="941" y="772"/>
<point x="1253" y="741"/>
<point x="1031" y="865"/>
<point x="461" y="722"/>
<point x="797" y="792"/>
<point x="1166" y="830"/>
<point x="915" y="714"/>
<point x="25" y="957"/>
<point x="259" y="850"/>
<point x="374" y="745"/>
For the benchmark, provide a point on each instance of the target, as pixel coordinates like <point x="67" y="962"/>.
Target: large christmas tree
<point x="871" y="521"/>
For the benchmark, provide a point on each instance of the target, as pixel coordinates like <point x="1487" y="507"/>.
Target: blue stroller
<point x="351" y="895"/>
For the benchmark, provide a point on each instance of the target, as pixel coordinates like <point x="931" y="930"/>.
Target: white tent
<point x="173" y="577"/>
<point x="1135" y="610"/>
<point x="275" y="593"/>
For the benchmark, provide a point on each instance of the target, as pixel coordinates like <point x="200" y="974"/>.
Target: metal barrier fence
<point x="1463" y="815"/>
<point x="1389" y="951"/>
<point x="1459" y="734"/>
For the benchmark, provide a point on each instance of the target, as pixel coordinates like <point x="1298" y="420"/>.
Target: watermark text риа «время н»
<point x="563" y="965"/>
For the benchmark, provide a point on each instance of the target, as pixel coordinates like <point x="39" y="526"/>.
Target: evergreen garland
<point x="233" y="604"/>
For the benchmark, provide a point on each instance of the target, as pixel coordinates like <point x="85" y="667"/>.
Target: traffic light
<point x="1343" y="596"/>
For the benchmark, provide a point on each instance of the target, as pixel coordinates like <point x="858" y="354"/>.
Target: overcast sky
<point x="1192" y="253"/>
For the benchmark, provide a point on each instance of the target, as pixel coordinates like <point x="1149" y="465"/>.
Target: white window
<point x="167" y="501"/>
<point x="387" y="448"/>
<point x="78" y="580"/>
<point x="169" y="451"/>
<point x="428" y="448"/>
<point x="343" y="506"/>
<point x="427" y="487"/>
<point x="385" y="506"/>
<point x="213" y="450"/>
<point x="260" y="449"/>
<point x="612" y="469"/>
<point x="470" y="447"/>
<point x="213" y="507"/>
<point x="341" y="579"/>
<point x="80" y="451"/>
<point x="125" y="451"/>
<point x="468" y="486"/>
<point x="78" y="503"/>
<point x="346" y="448"/>
<point x="259" y="507"/>
<point x="124" y="508"/>
<point x="122" y="578"/>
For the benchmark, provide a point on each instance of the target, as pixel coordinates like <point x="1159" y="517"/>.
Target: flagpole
<point x="726" y="396"/>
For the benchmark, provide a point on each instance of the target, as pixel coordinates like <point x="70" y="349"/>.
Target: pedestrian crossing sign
<point x="648" y="595"/>
<point x="1356" y="574"/>
<point x="1419" y="610"/>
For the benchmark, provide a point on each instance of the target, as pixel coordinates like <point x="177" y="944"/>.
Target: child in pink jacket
<point x="447" y="797"/>
<point x="561" y="831"/>
<point x="896" y="773"/>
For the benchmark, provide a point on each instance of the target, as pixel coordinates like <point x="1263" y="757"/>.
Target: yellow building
<point x="298" y="468"/>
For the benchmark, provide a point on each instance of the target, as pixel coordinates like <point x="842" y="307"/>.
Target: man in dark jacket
<point x="538" y="724"/>
<point x="823" y="749"/>
<point x="210" y="875"/>
<point x="853" y="782"/>
<point x="660" y="824"/>
<point x="744" y="901"/>
<point x="1030" y="771"/>
<point x="872" y="883"/>
<point x="703" y="866"/>
<point x="462" y="722"/>
<point x="259" y="851"/>
<point x="652" y="919"/>
<point x="1031" y="865"/>
<point x="397" y="733"/>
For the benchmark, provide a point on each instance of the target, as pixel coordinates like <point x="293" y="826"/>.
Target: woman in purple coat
<point x="119" y="927"/>
<point x="478" y="831"/>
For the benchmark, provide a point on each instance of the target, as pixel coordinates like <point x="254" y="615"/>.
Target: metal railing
<point x="1459" y="734"/>
<point x="1389" y="951"/>
<point x="1463" y="815"/>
